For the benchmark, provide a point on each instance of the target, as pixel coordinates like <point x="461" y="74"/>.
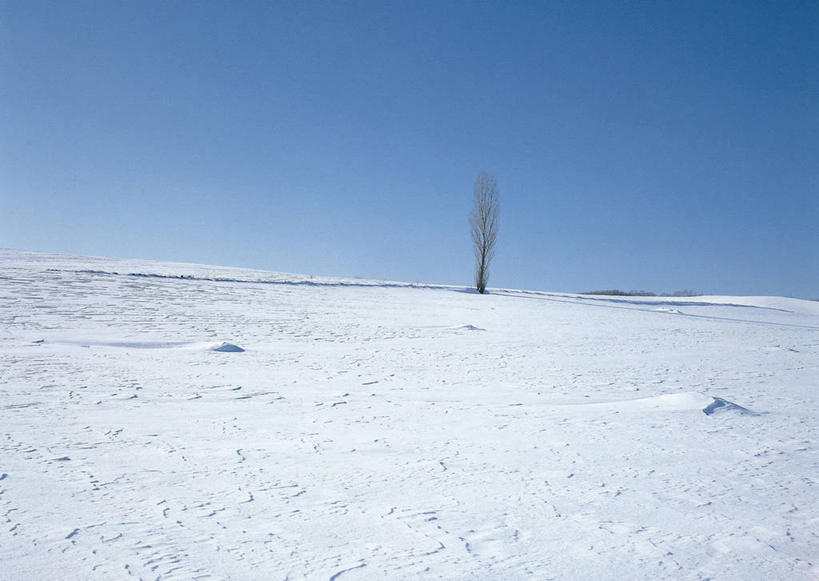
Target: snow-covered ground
<point x="372" y="431"/>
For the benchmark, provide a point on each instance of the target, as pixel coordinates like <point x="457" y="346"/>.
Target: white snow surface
<point x="377" y="430"/>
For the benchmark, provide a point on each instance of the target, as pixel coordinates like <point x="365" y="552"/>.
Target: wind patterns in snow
<point x="396" y="431"/>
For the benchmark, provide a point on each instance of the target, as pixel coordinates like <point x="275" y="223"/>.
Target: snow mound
<point x="469" y="328"/>
<point x="720" y="405"/>
<point x="119" y="344"/>
<point x="225" y="347"/>
<point x="671" y="402"/>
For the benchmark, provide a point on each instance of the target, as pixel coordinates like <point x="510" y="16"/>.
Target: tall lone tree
<point x="483" y="224"/>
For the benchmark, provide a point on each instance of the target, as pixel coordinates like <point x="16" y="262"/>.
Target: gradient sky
<point x="637" y="145"/>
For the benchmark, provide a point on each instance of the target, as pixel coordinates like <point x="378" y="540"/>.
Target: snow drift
<point x="386" y="430"/>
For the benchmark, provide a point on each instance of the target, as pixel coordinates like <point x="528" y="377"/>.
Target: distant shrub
<point x="686" y="293"/>
<point x="620" y="293"/>
<point x="643" y="293"/>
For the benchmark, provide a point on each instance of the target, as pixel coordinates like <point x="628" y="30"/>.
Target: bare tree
<point x="483" y="223"/>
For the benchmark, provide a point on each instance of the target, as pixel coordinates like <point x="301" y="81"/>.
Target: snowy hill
<point x="181" y="421"/>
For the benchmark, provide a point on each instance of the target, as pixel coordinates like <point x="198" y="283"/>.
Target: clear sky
<point x="637" y="145"/>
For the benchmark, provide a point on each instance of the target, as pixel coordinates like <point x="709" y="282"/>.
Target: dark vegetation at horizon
<point x="643" y="293"/>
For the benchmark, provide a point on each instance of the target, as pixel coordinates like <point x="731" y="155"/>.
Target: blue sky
<point x="637" y="145"/>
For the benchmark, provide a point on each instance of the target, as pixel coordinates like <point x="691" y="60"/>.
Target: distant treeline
<point x="642" y="293"/>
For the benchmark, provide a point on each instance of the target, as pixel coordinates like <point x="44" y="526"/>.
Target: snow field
<point x="390" y="431"/>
